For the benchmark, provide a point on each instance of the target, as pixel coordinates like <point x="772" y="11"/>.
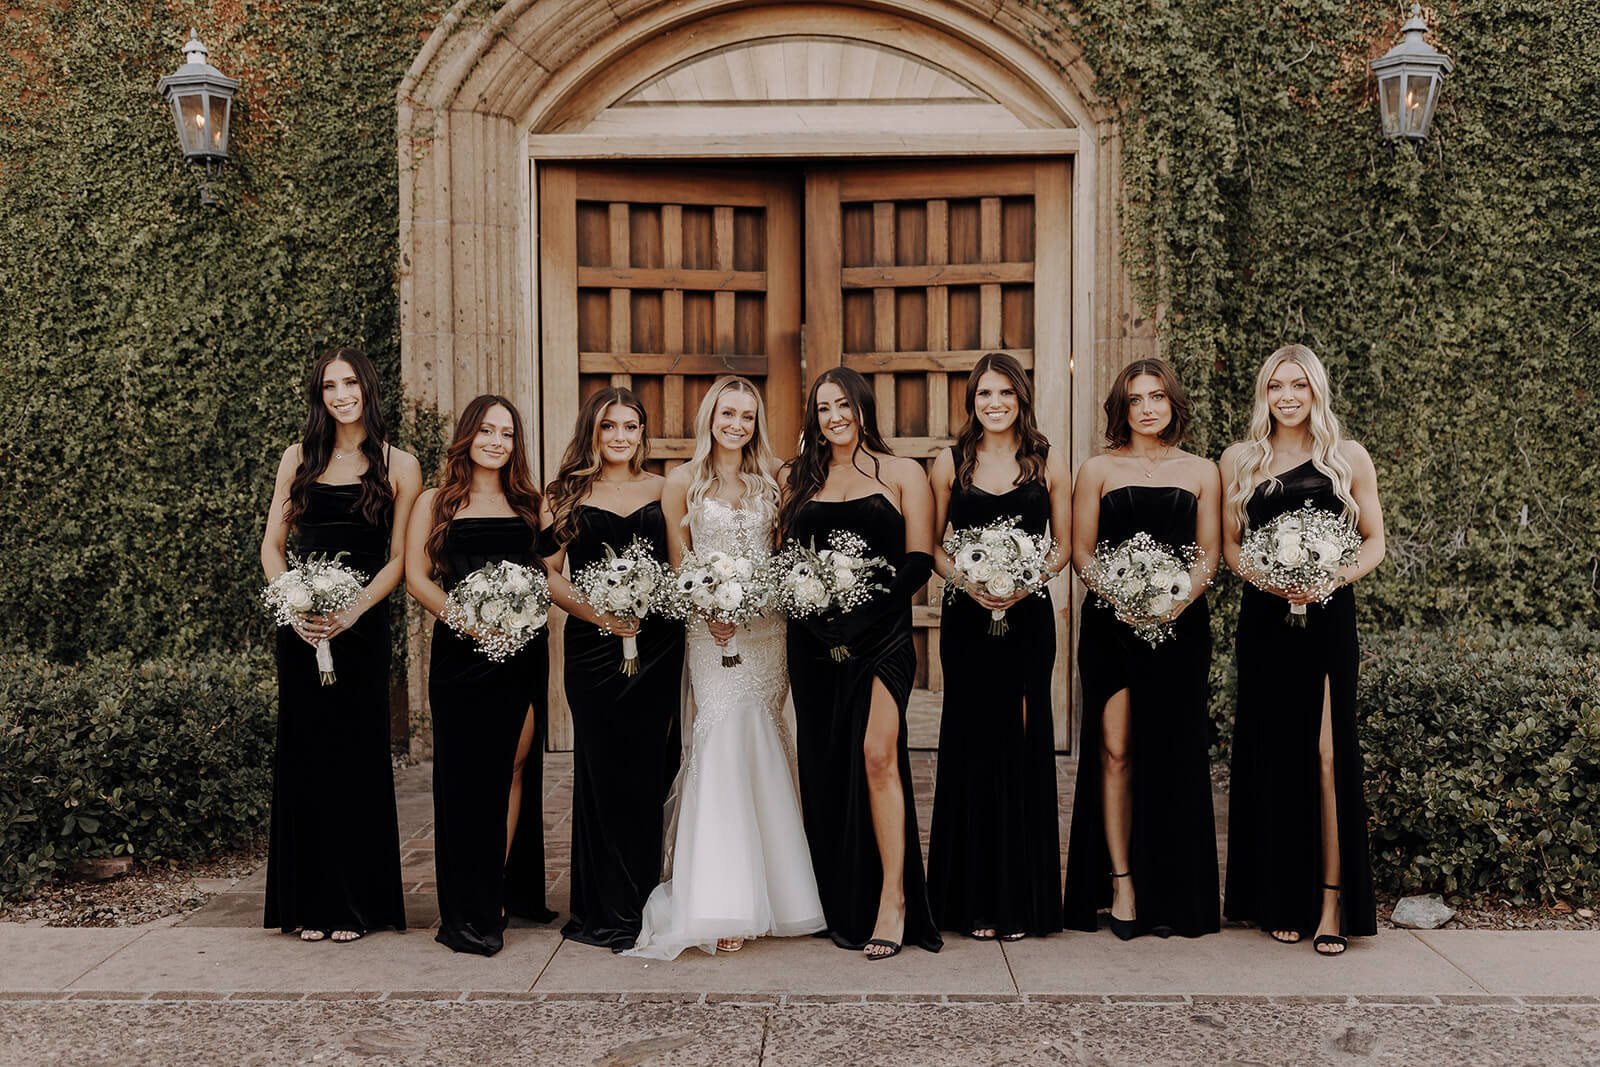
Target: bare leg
<point x="1116" y="798"/>
<point x="885" y="793"/>
<point x="524" y="749"/>
<point x="1328" y="922"/>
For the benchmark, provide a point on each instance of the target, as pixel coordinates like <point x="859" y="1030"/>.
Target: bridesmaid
<point x="1297" y="819"/>
<point x="333" y="862"/>
<point x="1143" y="841"/>
<point x="488" y="717"/>
<point x="850" y="716"/>
<point x="625" y="727"/>
<point x="994" y="854"/>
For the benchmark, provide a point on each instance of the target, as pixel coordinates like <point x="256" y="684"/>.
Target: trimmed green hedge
<point x="1483" y="763"/>
<point x="166" y="759"/>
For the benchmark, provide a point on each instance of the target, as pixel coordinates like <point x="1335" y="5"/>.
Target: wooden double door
<point x="661" y="279"/>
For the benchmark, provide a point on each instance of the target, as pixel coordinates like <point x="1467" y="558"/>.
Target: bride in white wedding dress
<point x="736" y="863"/>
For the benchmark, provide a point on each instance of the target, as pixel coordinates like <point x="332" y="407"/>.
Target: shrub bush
<point x="1483" y="762"/>
<point x="162" y="759"/>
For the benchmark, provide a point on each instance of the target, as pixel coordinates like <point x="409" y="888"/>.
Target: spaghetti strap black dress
<point x="994" y="852"/>
<point x="333" y="854"/>
<point x="479" y="710"/>
<point x="625" y="744"/>
<point x="831" y="702"/>
<point x="1275" y="805"/>
<point x="1173" y="839"/>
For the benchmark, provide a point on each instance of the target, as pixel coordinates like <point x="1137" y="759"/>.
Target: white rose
<point x="1002" y="584"/>
<point x="703" y="598"/>
<point x="517" y="621"/>
<point x="1160" y="604"/>
<point x="493" y="611"/>
<point x="1129" y="587"/>
<point x="478" y="581"/>
<point x="323" y="583"/>
<point x="1290" y="553"/>
<point x="517" y="581"/>
<point x="844" y="578"/>
<point x="1142" y="561"/>
<point x="725" y="568"/>
<point x="1025" y="545"/>
<point x="991" y="537"/>
<point x="296" y="595"/>
<point x="730" y="595"/>
<point x="982" y="573"/>
<point x="811" y="591"/>
<point x="743" y="569"/>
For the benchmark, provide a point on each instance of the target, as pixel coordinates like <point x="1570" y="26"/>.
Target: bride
<point x="736" y="863"/>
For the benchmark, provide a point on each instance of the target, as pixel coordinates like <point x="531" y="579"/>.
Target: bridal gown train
<point x="737" y="863"/>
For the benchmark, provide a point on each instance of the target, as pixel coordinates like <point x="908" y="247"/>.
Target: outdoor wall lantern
<point x="1410" y="76"/>
<point x="202" y="103"/>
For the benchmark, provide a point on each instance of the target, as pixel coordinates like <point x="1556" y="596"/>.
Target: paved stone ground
<point x="215" y="988"/>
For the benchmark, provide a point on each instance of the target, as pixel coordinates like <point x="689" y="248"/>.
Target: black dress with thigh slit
<point x="1172" y="846"/>
<point x="994" y="852"/>
<point x="1275" y="801"/>
<point x="625" y="744"/>
<point x="831" y="702"/>
<point x="480" y="708"/>
<point x="333" y="857"/>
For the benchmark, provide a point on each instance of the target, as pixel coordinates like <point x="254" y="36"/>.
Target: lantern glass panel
<point x="192" y="120"/>
<point x="1417" y="90"/>
<point x="217" y="143"/>
<point x="1389" y="103"/>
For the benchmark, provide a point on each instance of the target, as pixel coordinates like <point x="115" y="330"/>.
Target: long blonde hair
<point x="1255" y="459"/>
<point x="759" y="491"/>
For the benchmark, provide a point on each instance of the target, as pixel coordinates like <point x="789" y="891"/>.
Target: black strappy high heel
<point x="1337" y="942"/>
<point x="1125" y="929"/>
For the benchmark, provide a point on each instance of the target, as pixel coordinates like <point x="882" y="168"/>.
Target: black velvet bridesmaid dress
<point x="479" y="710"/>
<point x="333" y="859"/>
<point x="625" y="744"/>
<point x="832" y="701"/>
<point x="1275" y="802"/>
<point x="1172" y="842"/>
<point x="994" y="852"/>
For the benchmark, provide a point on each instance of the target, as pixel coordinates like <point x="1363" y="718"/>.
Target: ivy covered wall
<point x="154" y="348"/>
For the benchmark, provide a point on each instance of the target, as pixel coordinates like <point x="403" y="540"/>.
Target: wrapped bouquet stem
<point x="315" y="585"/>
<point x="1300" y="552"/>
<point x="1000" y="558"/>
<point x="628" y="585"/>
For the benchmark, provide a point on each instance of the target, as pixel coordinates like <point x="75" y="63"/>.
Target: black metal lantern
<point x="201" y="97"/>
<point x="1410" y="76"/>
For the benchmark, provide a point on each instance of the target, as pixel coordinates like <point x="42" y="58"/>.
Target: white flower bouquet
<point x="315" y="585"/>
<point x="1000" y="558"/>
<point x="721" y="587"/>
<point x="837" y="579"/>
<point x="1300" y="551"/>
<point x="628" y="585"/>
<point x="502" y="606"/>
<point x="1143" y="580"/>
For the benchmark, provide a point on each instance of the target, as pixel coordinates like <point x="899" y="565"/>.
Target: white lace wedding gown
<point x="736" y="861"/>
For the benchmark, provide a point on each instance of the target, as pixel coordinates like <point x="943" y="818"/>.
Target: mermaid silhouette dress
<point x="333" y="854"/>
<point x="1172" y="844"/>
<point x="1275" y="801"/>
<point x="994" y="852"/>
<point x="832" y="700"/>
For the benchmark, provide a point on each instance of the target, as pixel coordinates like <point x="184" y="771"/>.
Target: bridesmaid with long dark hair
<point x="850" y="714"/>
<point x="624" y="727"/>
<point x="1298" y="863"/>
<point x="333" y="860"/>
<point x="1142" y="839"/>
<point x="488" y="717"/>
<point x="994" y="852"/>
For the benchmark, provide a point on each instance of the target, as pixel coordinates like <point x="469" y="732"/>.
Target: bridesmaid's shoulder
<point x="1231" y="455"/>
<point x="290" y="460"/>
<point x="425" y="499"/>
<point x="680" y="477"/>
<point x="1195" y="463"/>
<point x="943" y="471"/>
<point x="404" y="465"/>
<point x="903" y="469"/>
<point x="1356" y="455"/>
<point x="1093" y="470"/>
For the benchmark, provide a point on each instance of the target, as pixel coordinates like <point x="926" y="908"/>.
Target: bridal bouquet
<point x="1143" y="580"/>
<point x="315" y="585"/>
<point x="721" y="587"/>
<point x="1001" y="559"/>
<point x="837" y="579"/>
<point x="628" y="585"/>
<point x="501" y="605"/>
<point x="1299" y="551"/>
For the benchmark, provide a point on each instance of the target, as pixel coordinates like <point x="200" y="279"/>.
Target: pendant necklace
<point x="1150" y="471"/>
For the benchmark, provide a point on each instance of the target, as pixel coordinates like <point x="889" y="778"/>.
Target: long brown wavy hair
<point x="1032" y="445"/>
<point x="316" y="441"/>
<point x="808" y="471"/>
<point x="581" y="463"/>
<point x="516" y="479"/>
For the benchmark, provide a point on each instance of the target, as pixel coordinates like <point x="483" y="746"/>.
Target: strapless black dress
<point x="1173" y="839"/>
<point x="1274" y="803"/>
<point x="625" y="744"/>
<point x="831" y="703"/>
<point x="479" y="710"/>
<point x="994" y="851"/>
<point x="333" y="857"/>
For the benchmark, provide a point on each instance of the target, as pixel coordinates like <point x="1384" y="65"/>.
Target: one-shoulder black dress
<point x="625" y="744"/>
<point x="333" y="857"/>
<point x="1172" y="841"/>
<point x="1274" y="803"/>
<point x="831" y="703"/>
<point x="994" y="851"/>
<point x="479" y="710"/>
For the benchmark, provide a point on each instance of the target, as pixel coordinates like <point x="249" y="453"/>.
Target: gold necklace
<point x="1150" y="471"/>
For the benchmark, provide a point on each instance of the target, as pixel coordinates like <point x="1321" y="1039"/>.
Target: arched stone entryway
<point x="493" y="98"/>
